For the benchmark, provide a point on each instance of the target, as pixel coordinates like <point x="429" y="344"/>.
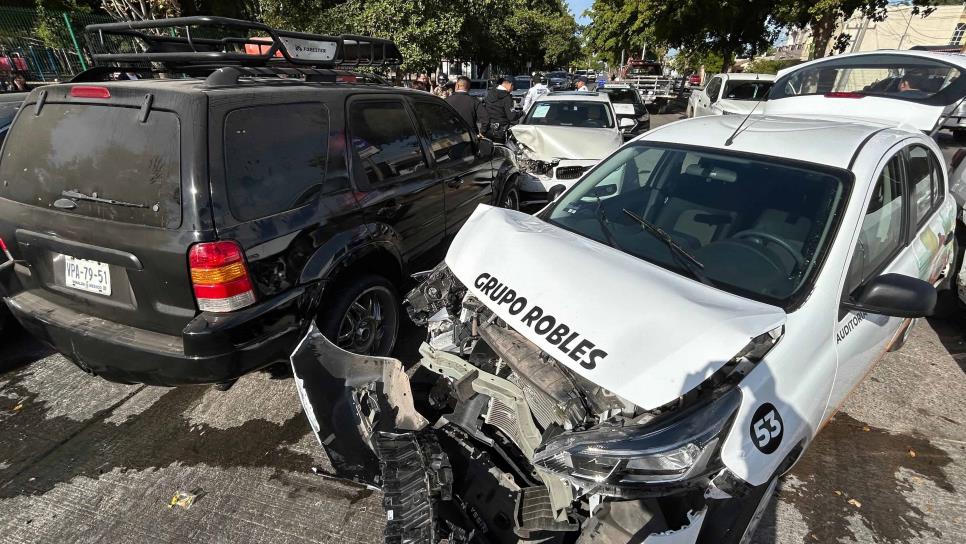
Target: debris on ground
<point x="855" y="503"/>
<point x="183" y="499"/>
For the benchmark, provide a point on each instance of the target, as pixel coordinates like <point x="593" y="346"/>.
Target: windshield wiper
<point x="683" y="256"/>
<point x="602" y="221"/>
<point x="74" y="194"/>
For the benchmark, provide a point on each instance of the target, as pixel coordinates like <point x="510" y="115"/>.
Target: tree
<point x="822" y="16"/>
<point x="139" y="10"/>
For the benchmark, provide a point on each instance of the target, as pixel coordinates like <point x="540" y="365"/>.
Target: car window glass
<point x="384" y="141"/>
<point x="924" y="180"/>
<point x="881" y="232"/>
<point x="269" y="171"/>
<point x="713" y="88"/>
<point x="448" y="136"/>
<point x="746" y="90"/>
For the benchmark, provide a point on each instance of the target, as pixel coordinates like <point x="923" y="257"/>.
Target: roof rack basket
<point x="258" y="45"/>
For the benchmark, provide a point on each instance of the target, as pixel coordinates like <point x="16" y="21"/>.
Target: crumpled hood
<point x="553" y="142"/>
<point x="638" y="330"/>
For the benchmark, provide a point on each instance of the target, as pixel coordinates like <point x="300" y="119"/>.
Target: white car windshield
<point x="575" y="113"/>
<point x="757" y="225"/>
<point x="903" y="77"/>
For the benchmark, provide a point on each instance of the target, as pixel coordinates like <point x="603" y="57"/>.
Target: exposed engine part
<point x="417" y="477"/>
<point x="438" y="290"/>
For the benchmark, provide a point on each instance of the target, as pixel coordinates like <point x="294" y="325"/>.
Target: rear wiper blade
<point x="683" y="256"/>
<point x="74" y="194"/>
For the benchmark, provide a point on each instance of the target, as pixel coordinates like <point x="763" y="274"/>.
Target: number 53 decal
<point x="767" y="428"/>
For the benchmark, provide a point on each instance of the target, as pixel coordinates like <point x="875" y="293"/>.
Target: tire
<point x="688" y="112"/>
<point x="362" y="315"/>
<point x="510" y="199"/>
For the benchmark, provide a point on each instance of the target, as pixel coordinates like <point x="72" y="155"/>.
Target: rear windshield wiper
<point x="76" y="195"/>
<point x="683" y="256"/>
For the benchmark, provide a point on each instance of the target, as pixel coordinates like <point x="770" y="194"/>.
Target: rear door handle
<point x="454" y="182"/>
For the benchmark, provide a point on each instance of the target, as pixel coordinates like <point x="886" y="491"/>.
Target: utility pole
<point x="906" y="31"/>
<point x="860" y="35"/>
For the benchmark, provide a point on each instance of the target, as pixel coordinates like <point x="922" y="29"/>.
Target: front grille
<point x="570" y="172"/>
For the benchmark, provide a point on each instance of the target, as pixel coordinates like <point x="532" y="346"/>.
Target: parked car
<point x="521" y="85"/>
<point x="656" y="348"/>
<point x="559" y="81"/>
<point x="479" y="88"/>
<point x="562" y="136"/>
<point x="627" y="104"/>
<point x="178" y="231"/>
<point x="729" y="94"/>
<point x="694" y="80"/>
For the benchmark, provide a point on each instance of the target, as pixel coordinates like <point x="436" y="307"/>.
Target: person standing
<point x="469" y="108"/>
<point x="535" y="92"/>
<point x="498" y="107"/>
<point x="582" y="85"/>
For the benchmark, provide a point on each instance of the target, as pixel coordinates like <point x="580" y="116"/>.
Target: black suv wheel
<point x="362" y="316"/>
<point x="511" y="196"/>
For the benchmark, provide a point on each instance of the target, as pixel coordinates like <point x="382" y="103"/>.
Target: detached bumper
<point x="213" y="348"/>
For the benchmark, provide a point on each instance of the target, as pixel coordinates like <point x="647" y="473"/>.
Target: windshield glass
<point x="746" y="90"/>
<point x="758" y="225"/>
<point x="570" y="114"/>
<point x="893" y="76"/>
<point x="521" y="83"/>
<point x="557" y="75"/>
<point x="622" y="96"/>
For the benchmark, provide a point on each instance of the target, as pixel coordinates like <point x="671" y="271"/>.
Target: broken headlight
<point x="614" y="460"/>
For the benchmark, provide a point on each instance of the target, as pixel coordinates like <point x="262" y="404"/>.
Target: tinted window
<point x="746" y="90"/>
<point x="881" y="232"/>
<point x="765" y="247"/>
<point x="893" y="76"/>
<point x="714" y="87"/>
<point x="449" y="139"/>
<point x="270" y="170"/>
<point x="384" y="141"/>
<point x="97" y="149"/>
<point x="479" y="84"/>
<point x="570" y="114"/>
<point x="522" y="83"/>
<point x="622" y="96"/>
<point x="924" y="178"/>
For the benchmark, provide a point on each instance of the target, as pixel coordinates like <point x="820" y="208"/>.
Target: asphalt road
<point x="84" y="460"/>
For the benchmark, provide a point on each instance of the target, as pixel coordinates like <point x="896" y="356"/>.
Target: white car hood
<point x="741" y="107"/>
<point x="638" y="330"/>
<point x="555" y="142"/>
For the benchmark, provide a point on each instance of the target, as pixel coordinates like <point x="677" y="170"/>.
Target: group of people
<point x="493" y="116"/>
<point x="13" y="83"/>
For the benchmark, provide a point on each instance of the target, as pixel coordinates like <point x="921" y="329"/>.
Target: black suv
<point x="188" y="228"/>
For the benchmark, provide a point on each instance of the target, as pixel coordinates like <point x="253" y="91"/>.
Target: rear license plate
<point x="90" y="276"/>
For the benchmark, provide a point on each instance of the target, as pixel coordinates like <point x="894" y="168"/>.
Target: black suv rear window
<point x="275" y="157"/>
<point x="99" y="151"/>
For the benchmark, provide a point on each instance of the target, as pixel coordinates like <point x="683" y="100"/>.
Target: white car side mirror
<point x="626" y="122"/>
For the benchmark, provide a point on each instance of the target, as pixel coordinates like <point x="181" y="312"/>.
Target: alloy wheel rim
<point x="368" y="323"/>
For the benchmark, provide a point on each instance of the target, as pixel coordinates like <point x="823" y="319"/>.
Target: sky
<point x="577" y="7"/>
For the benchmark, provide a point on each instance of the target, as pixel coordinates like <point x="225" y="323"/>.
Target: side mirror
<point x="626" y="122"/>
<point x="485" y="149"/>
<point x="602" y="191"/>
<point x="895" y="295"/>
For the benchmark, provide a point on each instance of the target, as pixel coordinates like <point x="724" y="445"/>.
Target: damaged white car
<point x="642" y="360"/>
<point x="562" y="136"/>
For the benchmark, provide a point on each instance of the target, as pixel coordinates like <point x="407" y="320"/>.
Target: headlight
<point x="626" y="460"/>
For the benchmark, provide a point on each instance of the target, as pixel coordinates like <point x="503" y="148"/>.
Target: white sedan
<point x="729" y="94"/>
<point x="652" y="351"/>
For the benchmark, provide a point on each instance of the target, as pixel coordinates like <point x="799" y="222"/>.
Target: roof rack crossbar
<point x="275" y="47"/>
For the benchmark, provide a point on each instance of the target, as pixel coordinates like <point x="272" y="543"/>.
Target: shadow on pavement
<point x="951" y="334"/>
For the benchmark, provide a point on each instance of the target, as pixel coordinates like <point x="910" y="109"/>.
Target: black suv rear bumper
<point x="212" y="349"/>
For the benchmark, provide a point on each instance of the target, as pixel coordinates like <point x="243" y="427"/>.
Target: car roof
<point x="573" y="96"/>
<point x="832" y="142"/>
<point x="245" y="85"/>
<point x="741" y="76"/>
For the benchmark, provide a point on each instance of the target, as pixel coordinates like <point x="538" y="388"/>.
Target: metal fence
<point x="45" y="45"/>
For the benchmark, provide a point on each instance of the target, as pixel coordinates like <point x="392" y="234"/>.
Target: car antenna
<point x="731" y="138"/>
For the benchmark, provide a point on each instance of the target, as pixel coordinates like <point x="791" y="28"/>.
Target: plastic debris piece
<point x="183" y="499"/>
<point x="855" y="503"/>
<point x="912" y="452"/>
<point x="18" y="407"/>
<point x="837" y="492"/>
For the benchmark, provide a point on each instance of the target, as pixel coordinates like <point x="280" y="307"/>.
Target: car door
<point x="708" y="97"/>
<point x="887" y="242"/>
<point x="395" y="183"/>
<point x="467" y="178"/>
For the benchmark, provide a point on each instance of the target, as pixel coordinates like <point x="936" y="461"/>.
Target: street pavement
<point x="85" y="460"/>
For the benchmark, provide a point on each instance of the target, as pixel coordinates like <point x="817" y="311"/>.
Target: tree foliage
<point x="507" y="33"/>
